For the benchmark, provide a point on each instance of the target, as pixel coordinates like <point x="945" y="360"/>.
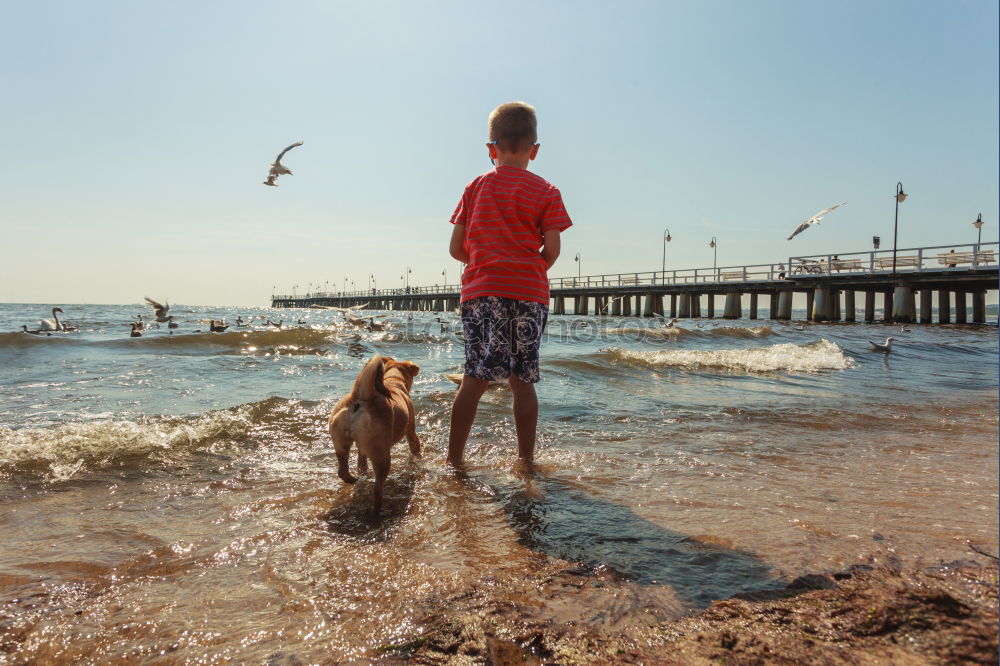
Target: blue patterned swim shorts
<point x="502" y="336"/>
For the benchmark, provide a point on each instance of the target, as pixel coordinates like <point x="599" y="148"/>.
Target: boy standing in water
<point x="506" y="228"/>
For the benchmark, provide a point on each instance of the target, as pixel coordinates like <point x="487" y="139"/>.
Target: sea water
<point x="176" y="493"/>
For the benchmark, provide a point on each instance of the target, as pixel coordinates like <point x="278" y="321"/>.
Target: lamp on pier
<point x="715" y="250"/>
<point x="900" y="198"/>
<point x="666" y="239"/>
<point x="578" y="264"/>
<point x="978" y="224"/>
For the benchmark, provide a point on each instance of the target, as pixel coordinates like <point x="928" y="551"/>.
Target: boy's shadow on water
<point x="354" y="517"/>
<point x="554" y="518"/>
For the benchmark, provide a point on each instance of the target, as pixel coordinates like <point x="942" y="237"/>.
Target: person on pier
<point x="506" y="228"/>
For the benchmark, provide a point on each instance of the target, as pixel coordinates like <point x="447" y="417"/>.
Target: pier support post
<point x="925" y="306"/>
<point x="903" y="305"/>
<point x="753" y="305"/>
<point x="772" y="305"/>
<point x="684" y="307"/>
<point x="559" y="305"/>
<point x="835" y="304"/>
<point x="979" y="307"/>
<point x="616" y="306"/>
<point x="696" y="305"/>
<point x="734" y="309"/>
<point x="822" y="304"/>
<point x="869" y="306"/>
<point x="961" y="314"/>
<point x="673" y="305"/>
<point x="944" y="306"/>
<point x="650" y="308"/>
<point x="582" y="304"/>
<point x="887" y="305"/>
<point x="627" y="306"/>
<point x="785" y="304"/>
<point x="711" y="306"/>
<point x="850" y="309"/>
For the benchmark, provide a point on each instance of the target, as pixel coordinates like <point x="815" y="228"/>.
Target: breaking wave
<point x="784" y="357"/>
<point x="61" y="452"/>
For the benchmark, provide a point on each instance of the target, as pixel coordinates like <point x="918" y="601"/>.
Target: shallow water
<point x="177" y="493"/>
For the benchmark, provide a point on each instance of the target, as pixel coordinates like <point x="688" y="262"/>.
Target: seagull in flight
<point x="159" y="310"/>
<point x="813" y="220"/>
<point x="279" y="169"/>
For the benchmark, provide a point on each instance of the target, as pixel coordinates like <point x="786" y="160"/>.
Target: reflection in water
<point x="354" y="517"/>
<point x="552" y="517"/>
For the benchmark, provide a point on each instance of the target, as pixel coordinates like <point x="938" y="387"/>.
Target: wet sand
<point x="866" y="615"/>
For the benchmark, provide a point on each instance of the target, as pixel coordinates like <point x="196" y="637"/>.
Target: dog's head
<point x="407" y="370"/>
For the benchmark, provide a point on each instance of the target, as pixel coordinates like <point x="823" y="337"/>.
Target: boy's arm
<point x="550" y="247"/>
<point x="457" y="245"/>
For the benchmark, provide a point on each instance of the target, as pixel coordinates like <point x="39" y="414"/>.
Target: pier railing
<point x="876" y="262"/>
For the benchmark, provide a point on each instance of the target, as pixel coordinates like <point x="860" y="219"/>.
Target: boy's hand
<point x="550" y="247"/>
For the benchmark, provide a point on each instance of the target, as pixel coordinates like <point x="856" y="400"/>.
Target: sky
<point x="137" y="136"/>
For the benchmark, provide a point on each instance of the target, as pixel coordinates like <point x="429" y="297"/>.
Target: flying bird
<point x="813" y="220"/>
<point x="279" y="169"/>
<point x="159" y="310"/>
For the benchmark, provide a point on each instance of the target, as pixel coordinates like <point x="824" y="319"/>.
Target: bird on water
<point x="882" y="347"/>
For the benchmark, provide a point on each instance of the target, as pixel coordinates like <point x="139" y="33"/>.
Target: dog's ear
<point x="409" y="368"/>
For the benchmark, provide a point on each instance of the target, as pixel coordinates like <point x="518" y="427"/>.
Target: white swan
<point x="50" y="324"/>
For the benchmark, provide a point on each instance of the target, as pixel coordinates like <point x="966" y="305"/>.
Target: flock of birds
<point x="161" y="316"/>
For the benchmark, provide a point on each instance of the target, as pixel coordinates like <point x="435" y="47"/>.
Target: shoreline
<point x="941" y="614"/>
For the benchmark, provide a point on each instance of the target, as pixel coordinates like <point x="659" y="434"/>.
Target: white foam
<point x="66" y="450"/>
<point x="784" y="357"/>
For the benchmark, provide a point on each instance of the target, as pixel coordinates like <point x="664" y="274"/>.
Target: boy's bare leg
<point x="463" y="414"/>
<point x="525" y="416"/>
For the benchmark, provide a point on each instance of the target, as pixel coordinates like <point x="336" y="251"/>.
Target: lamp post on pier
<point x="978" y="224"/>
<point x="578" y="265"/>
<point x="714" y="244"/>
<point x="900" y="198"/>
<point x="663" y="266"/>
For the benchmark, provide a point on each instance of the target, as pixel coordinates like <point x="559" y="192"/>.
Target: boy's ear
<point x="534" y="151"/>
<point x="492" y="148"/>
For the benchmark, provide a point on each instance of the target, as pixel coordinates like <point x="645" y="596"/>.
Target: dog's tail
<point x="371" y="381"/>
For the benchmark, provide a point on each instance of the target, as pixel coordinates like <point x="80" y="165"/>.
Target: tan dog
<point x="376" y="414"/>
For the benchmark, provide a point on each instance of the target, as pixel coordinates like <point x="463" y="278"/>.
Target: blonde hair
<point x="513" y="127"/>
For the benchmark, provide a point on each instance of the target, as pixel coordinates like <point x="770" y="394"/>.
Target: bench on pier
<point x="629" y="280"/>
<point x="732" y="275"/>
<point x="956" y="258"/>
<point x="846" y="264"/>
<point x="901" y="260"/>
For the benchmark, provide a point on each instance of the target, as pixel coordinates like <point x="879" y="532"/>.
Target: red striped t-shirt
<point x="505" y="213"/>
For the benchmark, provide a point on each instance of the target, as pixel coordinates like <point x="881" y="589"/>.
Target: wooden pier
<point x="907" y="284"/>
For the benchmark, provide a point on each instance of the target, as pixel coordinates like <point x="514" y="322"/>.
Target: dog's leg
<point x="362" y="463"/>
<point x="342" y="470"/>
<point x="381" y="472"/>
<point x="342" y="447"/>
<point x="411" y="435"/>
